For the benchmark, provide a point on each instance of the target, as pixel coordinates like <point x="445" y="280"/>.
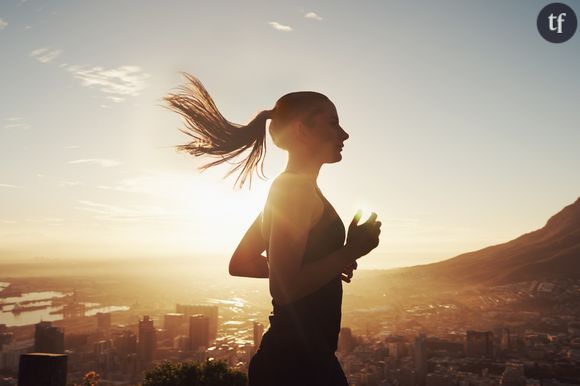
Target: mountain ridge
<point x="551" y="252"/>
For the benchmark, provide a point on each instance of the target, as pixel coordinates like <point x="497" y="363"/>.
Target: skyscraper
<point x="198" y="331"/>
<point x="48" y="339"/>
<point x="104" y="321"/>
<point x="147" y="340"/>
<point x="125" y="343"/>
<point x="420" y="356"/>
<point x="173" y="323"/>
<point x="42" y="369"/>
<point x="479" y="344"/>
<point x="5" y="336"/>
<point x="209" y="311"/>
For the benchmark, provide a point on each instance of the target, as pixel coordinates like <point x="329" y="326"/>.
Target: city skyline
<point x="463" y="122"/>
<point x="526" y="330"/>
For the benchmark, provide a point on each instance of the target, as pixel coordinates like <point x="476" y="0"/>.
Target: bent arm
<point x="314" y="275"/>
<point x="247" y="260"/>
<point x="293" y="205"/>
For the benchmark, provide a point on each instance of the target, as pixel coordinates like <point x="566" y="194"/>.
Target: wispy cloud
<point x="15" y="123"/>
<point x="116" y="213"/>
<point x="45" y="220"/>
<point x="120" y="82"/>
<point x="132" y="185"/>
<point x="173" y="186"/>
<point x="10" y="186"/>
<point x="115" y="99"/>
<point x="45" y="54"/>
<point x="71" y="147"/>
<point x="3" y="23"/>
<point x="280" y="27"/>
<point x="70" y="183"/>
<point x="106" y="163"/>
<point x="313" y="16"/>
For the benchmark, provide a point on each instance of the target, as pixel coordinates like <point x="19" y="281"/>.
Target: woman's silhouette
<point x="304" y="238"/>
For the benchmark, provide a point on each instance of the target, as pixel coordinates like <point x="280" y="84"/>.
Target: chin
<point x="335" y="159"/>
<point x="332" y="157"/>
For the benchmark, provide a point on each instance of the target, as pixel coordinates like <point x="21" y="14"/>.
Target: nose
<point x="344" y="135"/>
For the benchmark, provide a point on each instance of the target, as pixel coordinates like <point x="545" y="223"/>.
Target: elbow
<point x="234" y="266"/>
<point x="232" y="269"/>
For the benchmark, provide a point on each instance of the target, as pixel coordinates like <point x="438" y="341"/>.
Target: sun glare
<point x="365" y="208"/>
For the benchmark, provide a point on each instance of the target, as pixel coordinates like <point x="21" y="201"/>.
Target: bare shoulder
<point x="292" y="187"/>
<point x="292" y="197"/>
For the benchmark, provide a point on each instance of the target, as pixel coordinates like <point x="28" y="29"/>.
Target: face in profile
<point x="326" y="137"/>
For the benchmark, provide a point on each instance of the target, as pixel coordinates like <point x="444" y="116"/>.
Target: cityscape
<point x="475" y="339"/>
<point x="399" y="327"/>
<point x="439" y="324"/>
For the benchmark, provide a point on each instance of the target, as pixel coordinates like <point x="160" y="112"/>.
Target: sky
<point x="464" y="122"/>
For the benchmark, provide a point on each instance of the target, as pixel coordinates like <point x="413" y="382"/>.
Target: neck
<point x="302" y="165"/>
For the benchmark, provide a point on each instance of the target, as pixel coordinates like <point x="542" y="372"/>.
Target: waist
<point x="311" y="323"/>
<point x="322" y="307"/>
<point x="314" y="327"/>
<point x="298" y="343"/>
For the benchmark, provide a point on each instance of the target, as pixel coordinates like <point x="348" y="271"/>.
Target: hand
<point x="347" y="271"/>
<point x="365" y="237"/>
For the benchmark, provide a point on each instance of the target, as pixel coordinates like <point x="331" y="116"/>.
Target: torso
<point x="312" y="323"/>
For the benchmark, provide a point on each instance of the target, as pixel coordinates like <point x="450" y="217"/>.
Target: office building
<point x="198" y="332"/>
<point x="479" y="344"/>
<point x="125" y="343"/>
<point x="104" y="321"/>
<point x="420" y="357"/>
<point x="174" y="324"/>
<point x="208" y="311"/>
<point x="42" y="369"/>
<point x="48" y="339"/>
<point x="147" y="340"/>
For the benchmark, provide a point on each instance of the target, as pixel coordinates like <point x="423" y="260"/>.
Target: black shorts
<point x="291" y="368"/>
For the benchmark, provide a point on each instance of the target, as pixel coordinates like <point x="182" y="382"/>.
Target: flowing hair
<point x="214" y="135"/>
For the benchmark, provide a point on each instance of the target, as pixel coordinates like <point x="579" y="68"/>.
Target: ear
<point x="301" y="131"/>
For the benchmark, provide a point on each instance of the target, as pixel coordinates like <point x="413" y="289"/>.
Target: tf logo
<point x="557" y="22"/>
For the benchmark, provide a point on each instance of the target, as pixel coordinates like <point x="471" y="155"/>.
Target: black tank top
<point x="311" y="324"/>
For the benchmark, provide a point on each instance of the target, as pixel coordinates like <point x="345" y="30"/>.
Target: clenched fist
<point x="362" y="239"/>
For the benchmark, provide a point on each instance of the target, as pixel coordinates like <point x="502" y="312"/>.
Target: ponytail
<point x="215" y="136"/>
